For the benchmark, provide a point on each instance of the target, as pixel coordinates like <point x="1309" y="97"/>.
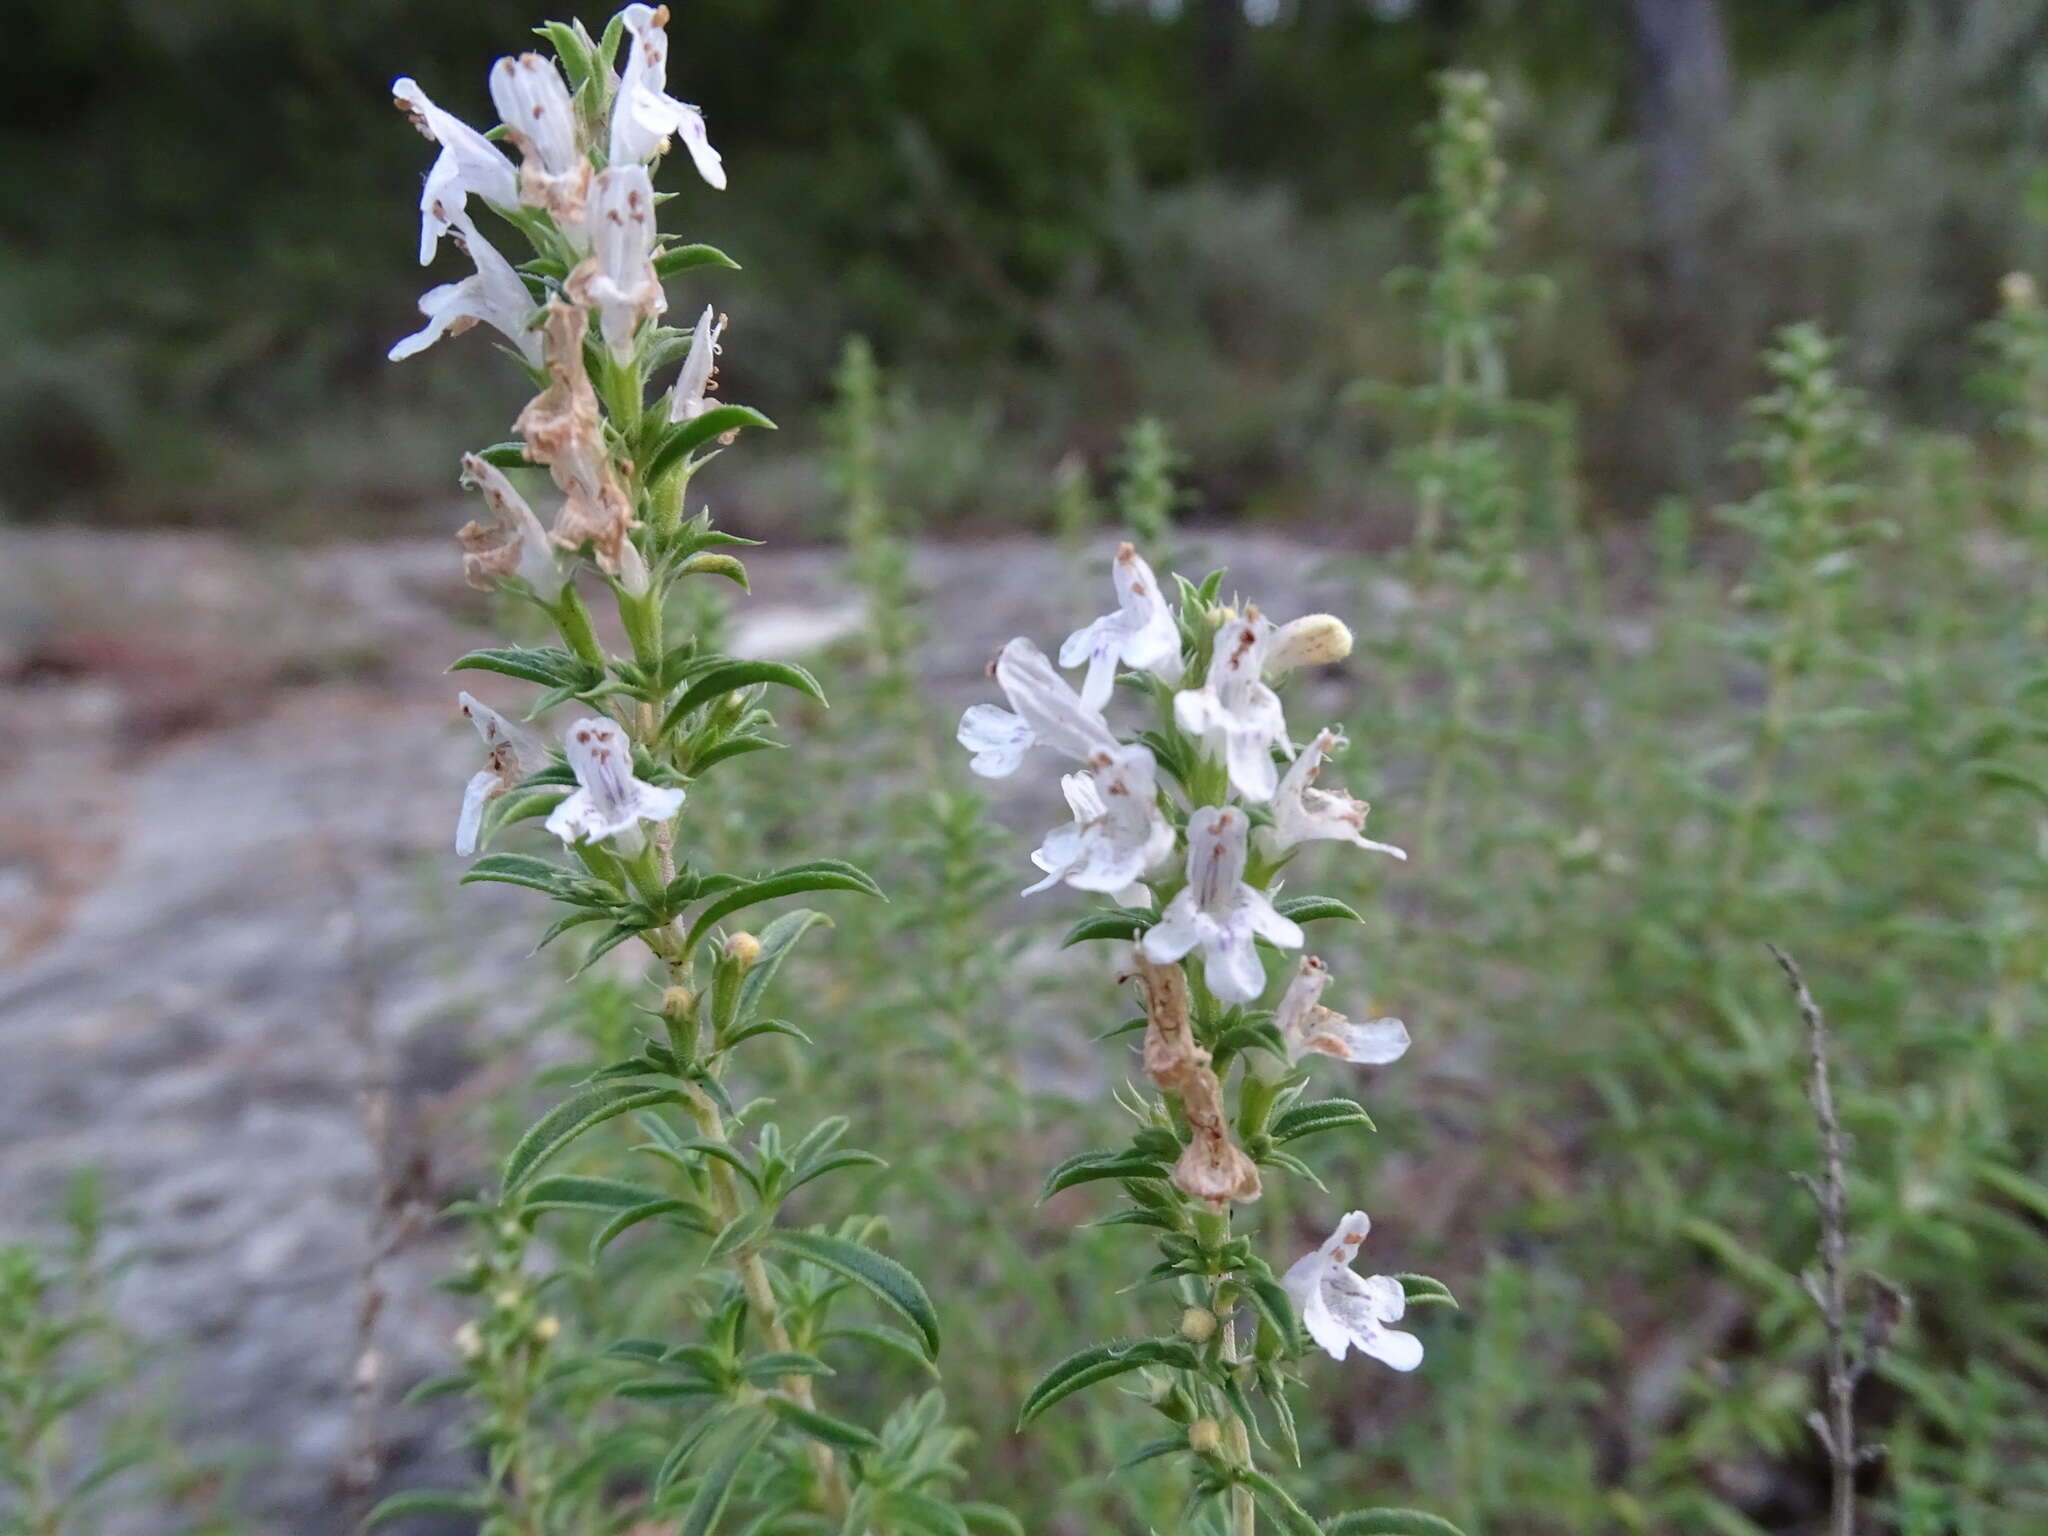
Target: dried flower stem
<point x="1837" y="1428"/>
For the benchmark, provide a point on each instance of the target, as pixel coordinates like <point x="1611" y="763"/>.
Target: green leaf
<point x="1322" y="1115"/>
<point x="887" y="1279"/>
<point x="1273" y="1303"/>
<point x="510" y="455"/>
<point x="1291" y="1517"/>
<point x="716" y="1488"/>
<point x="1110" y="923"/>
<point x="817" y="875"/>
<point x="1425" y="1290"/>
<point x="570" y="1119"/>
<point x="1100" y="1362"/>
<point x="683" y="258"/>
<point x="689" y="436"/>
<point x="1086" y="1167"/>
<point x="777" y="939"/>
<point x="765" y="1370"/>
<point x="426" y="1501"/>
<point x="573" y="1192"/>
<point x="732" y="675"/>
<point x="439" y="1386"/>
<point x="625" y="1221"/>
<point x="822" y="1426"/>
<point x="536" y="875"/>
<point x="992" y="1517"/>
<point x="1309" y="909"/>
<point x="891" y="1341"/>
<point x="550" y="666"/>
<point x="914" y="1511"/>
<point x="1390" y="1522"/>
<point x="1152" y="1450"/>
<point x="738" y="1232"/>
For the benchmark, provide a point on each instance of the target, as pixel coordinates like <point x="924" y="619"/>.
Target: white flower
<point x="1306" y="1025"/>
<point x="644" y="115"/>
<point x="686" y="402"/>
<point x="1313" y="640"/>
<point x="468" y="163"/>
<point x="512" y="754"/>
<point x="540" y="118"/>
<point x="609" y="801"/>
<point x="1237" y="716"/>
<point x="1342" y="1309"/>
<point x="513" y="543"/>
<point x="618" y="278"/>
<point x="1046" y="711"/>
<point x="1118" y="831"/>
<point x="1140" y="634"/>
<point x="494" y="294"/>
<point x="1303" y="813"/>
<point x="1219" y="912"/>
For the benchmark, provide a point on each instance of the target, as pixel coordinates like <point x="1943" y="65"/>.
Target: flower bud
<point x="546" y="1328"/>
<point x="2017" y="290"/>
<point x="677" y="1002"/>
<point x="743" y="949"/>
<point x="507" y="1300"/>
<point x="1314" y="640"/>
<point x="468" y="1342"/>
<point x="1198" y="1325"/>
<point x="1205" y="1437"/>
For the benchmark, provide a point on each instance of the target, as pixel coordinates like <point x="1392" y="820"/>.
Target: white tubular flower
<point x="1306" y="1025"/>
<point x="1343" y="1310"/>
<point x="1118" y="831"/>
<point x="688" y="400"/>
<point x="468" y="163"/>
<point x="494" y="294"/>
<point x="1046" y="711"/>
<point x="1303" y="813"/>
<point x="540" y="118"/>
<point x="609" y="801"/>
<point x="1313" y="640"/>
<point x="1140" y="634"/>
<point x="1219" y="912"/>
<point x="1237" y="716"/>
<point x="645" y="115"/>
<point x="618" y="279"/>
<point x="513" y="543"/>
<point x="512" y="754"/>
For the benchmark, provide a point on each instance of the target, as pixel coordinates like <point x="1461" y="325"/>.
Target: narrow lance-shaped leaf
<point x="731" y="675"/>
<point x="570" y="1119"/>
<point x="818" y="875"/>
<point x="883" y="1276"/>
<point x="1099" y="1362"/>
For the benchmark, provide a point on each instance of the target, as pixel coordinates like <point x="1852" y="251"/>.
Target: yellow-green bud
<point x="2017" y="290"/>
<point x="507" y="1300"/>
<point x="677" y="1002"/>
<point x="546" y="1328"/>
<point x="743" y="949"/>
<point x="469" y="1343"/>
<point x="1313" y="640"/>
<point x="1205" y="1437"/>
<point x="1198" y="1325"/>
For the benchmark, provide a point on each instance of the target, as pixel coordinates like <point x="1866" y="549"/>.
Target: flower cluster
<point x="1189" y="826"/>
<point x="584" y="315"/>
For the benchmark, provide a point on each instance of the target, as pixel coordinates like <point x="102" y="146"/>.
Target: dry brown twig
<point x="1846" y="1366"/>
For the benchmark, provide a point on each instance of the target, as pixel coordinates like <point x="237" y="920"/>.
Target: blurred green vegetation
<point x="1052" y="217"/>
